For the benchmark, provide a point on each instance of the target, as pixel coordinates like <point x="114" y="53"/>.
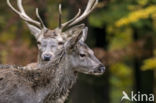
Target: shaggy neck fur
<point x="46" y="84"/>
<point x="63" y="80"/>
<point x="57" y="75"/>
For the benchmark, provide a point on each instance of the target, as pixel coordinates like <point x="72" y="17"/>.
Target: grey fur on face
<point x="81" y="57"/>
<point x="50" y="41"/>
<point x="84" y="60"/>
<point x="48" y="47"/>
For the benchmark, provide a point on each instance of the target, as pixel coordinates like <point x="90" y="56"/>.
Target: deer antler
<point x="90" y="7"/>
<point x="24" y="16"/>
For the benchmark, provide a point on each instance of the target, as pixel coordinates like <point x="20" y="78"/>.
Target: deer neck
<point x="53" y="80"/>
<point x="63" y="81"/>
<point x="65" y="73"/>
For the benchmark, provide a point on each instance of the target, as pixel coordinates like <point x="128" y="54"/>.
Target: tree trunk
<point x="144" y="80"/>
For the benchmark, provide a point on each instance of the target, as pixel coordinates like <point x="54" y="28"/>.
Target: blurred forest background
<point x="121" y="32"/>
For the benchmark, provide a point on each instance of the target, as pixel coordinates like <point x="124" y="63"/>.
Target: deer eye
<point x="82" y="55"/>
<point x="38" y="43"/>
<point x="60" y="43"/>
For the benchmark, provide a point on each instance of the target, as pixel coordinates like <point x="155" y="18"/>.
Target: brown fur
<point x="50" y="34"/>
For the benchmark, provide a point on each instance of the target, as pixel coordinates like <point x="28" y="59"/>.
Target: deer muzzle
<point x="47" y="57"/>
<point x="100" y="70"/>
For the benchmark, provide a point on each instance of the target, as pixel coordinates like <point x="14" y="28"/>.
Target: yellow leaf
<point x="149" y="64"/>
<point x="136" y="15"/>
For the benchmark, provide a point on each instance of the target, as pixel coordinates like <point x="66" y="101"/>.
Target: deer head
<point x="81" y="57"/>
<point x="49" y="41"/>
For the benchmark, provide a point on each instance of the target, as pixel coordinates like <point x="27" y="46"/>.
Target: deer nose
<point x="47" y="57"/>
<point x="101" y="69"/>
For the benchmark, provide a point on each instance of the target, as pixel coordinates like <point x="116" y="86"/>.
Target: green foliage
<point x="121" y="77"/>
<point x="123" y="19"/>
<point x="3" y="55"/>
<point x="121" y="39"/>
<point x="5" y="36"/>
<point x="108" y="15"/>
<point x="137" y="15"/>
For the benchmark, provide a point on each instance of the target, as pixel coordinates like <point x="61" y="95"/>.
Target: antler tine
<point x="70" y="21"/>
<point x="90" y="7"/>
<point x="60" y="16"/>
<point x="9" y="4"/>
<point x="22" y="13"/>
<point x="38" y="16"/>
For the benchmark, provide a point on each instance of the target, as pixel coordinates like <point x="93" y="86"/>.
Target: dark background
<point x="121" y="32"/>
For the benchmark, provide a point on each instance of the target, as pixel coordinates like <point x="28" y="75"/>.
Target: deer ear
<point x="34" y="30"/>
<point x="70" y="44"/>
<point x="84" y="34"/>
<point x="74" y="30"/>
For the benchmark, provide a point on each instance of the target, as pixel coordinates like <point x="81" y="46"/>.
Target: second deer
<point x="50" y="83"/>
